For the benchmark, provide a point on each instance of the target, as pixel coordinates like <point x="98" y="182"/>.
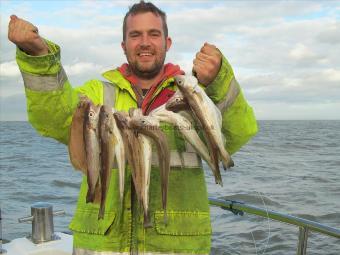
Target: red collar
<point x="169" y="70"/>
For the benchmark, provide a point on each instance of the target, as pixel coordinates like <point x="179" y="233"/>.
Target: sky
<point x="285" y="54"/>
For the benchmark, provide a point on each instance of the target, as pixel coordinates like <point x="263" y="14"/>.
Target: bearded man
<point x="147" y="83"/>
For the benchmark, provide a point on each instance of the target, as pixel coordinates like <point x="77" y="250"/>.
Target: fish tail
<point x="216" y="170"/>
<point x="220" y="182"/>
<point x="102" y="205"/>
<point x="101" y="212"/>
<point x="218" y="178"/>
<point x="91" y="192"/>
<point x="231" y="163"/>
<point x="227" y="161"/>
<point x="90" y="196"/>
<point x="147" y="220"/>
<point x="94" y="195"/>
<point x="225" y="166"/>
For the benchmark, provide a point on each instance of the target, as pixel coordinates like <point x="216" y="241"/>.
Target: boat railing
<point x="305" y="226"/>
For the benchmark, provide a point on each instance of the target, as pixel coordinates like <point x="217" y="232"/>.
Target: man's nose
<point x="145" y="40"/>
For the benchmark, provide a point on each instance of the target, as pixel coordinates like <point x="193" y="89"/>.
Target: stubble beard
<point x="147" y="72"/>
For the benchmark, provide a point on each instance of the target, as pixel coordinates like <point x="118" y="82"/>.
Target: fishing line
<point x="269" y="230"/>
<point x="254" y="242"/>
<point x="268" y="237"/>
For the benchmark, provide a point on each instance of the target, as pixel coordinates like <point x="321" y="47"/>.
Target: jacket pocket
<point x="183" y="223"/>
<point x="86" y="221"/>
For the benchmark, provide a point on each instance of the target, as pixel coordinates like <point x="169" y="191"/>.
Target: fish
<point x="120" y="158"/>
<point x="146" y="153"/>
<point x="186" y="129"/>
<point x="92" y="150"/>
<point x="149" y="126"/>
<point x="108" y="141"/>
<point x="76" y="145"/>
<point x="177" y="103"/>
<point x="132" y="149"/>
<point x="210" y="119"/>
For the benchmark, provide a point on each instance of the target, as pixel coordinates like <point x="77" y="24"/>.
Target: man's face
<point x="145" y="46"/>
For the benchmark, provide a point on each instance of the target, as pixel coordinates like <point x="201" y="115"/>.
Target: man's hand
<point x="25" y="36"/>
<point x="207" y="64"/>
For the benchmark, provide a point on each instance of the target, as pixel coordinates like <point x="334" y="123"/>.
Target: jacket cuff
<point x="41" y="65"/>
<point x="220" y="85"/>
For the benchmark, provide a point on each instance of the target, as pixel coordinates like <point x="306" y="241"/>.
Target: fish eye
<point x="91" y="114"/>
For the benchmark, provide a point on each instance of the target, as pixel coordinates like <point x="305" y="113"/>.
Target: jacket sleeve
<point x="238" y="119"/>
<point x="50" y="98"/>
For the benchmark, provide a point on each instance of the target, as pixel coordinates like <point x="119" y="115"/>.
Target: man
<point x="147" y="83"/>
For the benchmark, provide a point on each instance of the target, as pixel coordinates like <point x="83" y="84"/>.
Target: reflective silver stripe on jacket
<point x="233" y="91"/>
<point x="180" y="159"/>
<point x="44" y="82"/>
<point x="78" y="251"/>
<point x="109" y="94"/>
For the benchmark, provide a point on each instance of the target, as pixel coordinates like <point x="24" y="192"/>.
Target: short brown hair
<point x="143" y="7"/>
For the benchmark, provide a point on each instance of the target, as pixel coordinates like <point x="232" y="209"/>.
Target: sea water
<point x="290" y="166"/>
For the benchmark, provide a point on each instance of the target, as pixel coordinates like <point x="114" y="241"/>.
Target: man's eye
<point x="134" y="35"/>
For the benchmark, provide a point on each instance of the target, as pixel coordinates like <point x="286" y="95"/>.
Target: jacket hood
<point x="169" y="70"/>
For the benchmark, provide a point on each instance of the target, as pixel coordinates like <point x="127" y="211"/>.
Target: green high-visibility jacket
<point x="51" y="102"/>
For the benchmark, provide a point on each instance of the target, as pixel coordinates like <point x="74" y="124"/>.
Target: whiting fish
<point x="209" y="118"/>
<point x="149" y="126"/>
<point x="132" y="150"/>
<point x="108" y="142"/>
<point x="92" y="149"/>
<point x="177" y="103"/>
<point x="146" y="153"/>
<point x="76" y="145"/>
<point x="120" y="157"/>
<point x="186" y="128"/>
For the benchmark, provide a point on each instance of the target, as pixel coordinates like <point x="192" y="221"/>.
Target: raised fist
<point x="207" y="64"/>
<point x="25" y="35"/>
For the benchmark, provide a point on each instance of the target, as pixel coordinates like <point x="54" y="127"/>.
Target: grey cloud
<point x="13" y="108"/>
<point x="257" y="38"/>
<point x="297" y="88"/>
<point x="295" y="111"/>
<point x="11" y="85"/>
<point x="330" y="34"/>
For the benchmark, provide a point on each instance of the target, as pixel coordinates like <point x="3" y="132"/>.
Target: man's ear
<point x="123" y="47"/>
<point x="168" y="43"/>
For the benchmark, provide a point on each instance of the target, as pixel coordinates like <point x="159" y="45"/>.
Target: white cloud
<point x="332" y="74"/>
<point x="301" y="52"/>
<point x="82" y="68"/>
<point x="9" y="69"/>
